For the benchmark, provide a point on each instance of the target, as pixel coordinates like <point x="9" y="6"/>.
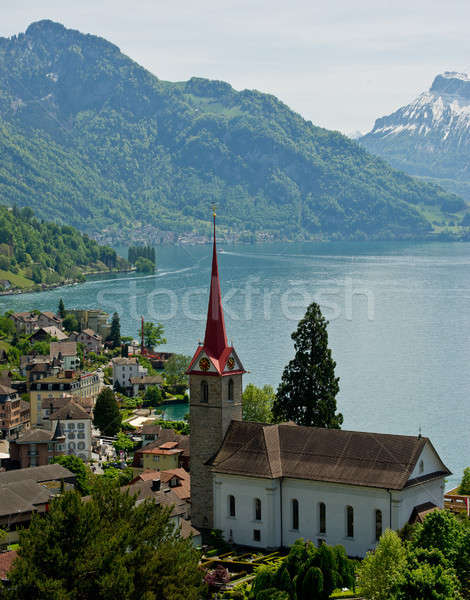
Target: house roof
<point x="165" y="497"/>
<point x="123" y="360"/>
<point x="167" y="435"/>
<point x="6" y="390"/>
<point x="148" y="379"/>
<point x="317" y="454"/>
<point x="421" y="511"/>
<point x="34" y="436"/>
<point x="6" y="563"/>
<point x="187" y="530"/>
<point x="72" y="410"/>
<point x="51" y="315"/>
<point x="29" y="491"/>
<point x="51" y="330"/>
<point x="63" y="348"/>
<point x="50" y="472"/>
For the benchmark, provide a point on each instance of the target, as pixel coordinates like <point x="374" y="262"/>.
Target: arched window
<point x="378" y="524"/>
<point x="295" y="514"/>
<point x="322" y="517"/>
<point x="230" y="390"/>
<point x="257" y="509"/>
<point x="231" y="505"/>
<point x="71" y="445"/>
<point x="349" y="521"/>
<point x="204" y="391"/>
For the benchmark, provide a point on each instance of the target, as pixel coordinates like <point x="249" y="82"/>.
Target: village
<point x="80" y="402"/>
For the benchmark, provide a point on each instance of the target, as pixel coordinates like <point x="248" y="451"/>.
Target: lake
<point x="399" y="322"/>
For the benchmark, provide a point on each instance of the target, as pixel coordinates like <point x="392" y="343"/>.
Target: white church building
<point x="268" y="485"/>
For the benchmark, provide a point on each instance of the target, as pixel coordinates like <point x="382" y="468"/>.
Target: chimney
<point x="155" y="485"/>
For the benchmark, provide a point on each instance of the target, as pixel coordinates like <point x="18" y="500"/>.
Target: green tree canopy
<point x="123" y="442"/>
<point x="115" y="333"/>
<point x="307" y="392"/>
<point x="175" y="369"/>
<point x="70" y="323"/>
<point x="257" y="403"/>
<point x="464" y="487"/>
<point x="61" y="309"/>
<point x="77" y="466"/>
<point x="153" y="334"/>
<point x="105" y="548"/>
<point x="153" y="396"/>
<point x="106" y="414"/>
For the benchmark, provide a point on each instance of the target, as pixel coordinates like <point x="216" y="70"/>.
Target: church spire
<point x="215" y="340"/>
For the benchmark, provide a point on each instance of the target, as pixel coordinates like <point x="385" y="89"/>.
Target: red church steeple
<point x="215" y="340"/>
<point x="213" y="356"/>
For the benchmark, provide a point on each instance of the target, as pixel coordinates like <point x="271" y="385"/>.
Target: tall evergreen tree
<point x="307" y="392"/>
<point x="115" y="333"/>
<point x="61" y="309"/>
<point x="106" y="415"/>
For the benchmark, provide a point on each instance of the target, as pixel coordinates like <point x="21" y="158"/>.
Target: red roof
<point x="6" y="563"/>
<point x="169" y="445"/>
<point x="215" y="345"/>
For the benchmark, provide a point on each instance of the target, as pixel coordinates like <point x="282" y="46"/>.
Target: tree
<point x="153" y="396"/>
<point x="115" y="333"/>
<point x="257" y="403"/>
<point x="107" y="547"/>
<point x="175" y="369"/>
<point x="123" y="443"/>
<point x="153" y="334"/>
<point x="464" y="487"/>
<point x="106" y="415"/>
<point x="70" y="323"/>
<point x="77" y="466"/>
<point x="61" y="309"/>
<point x="442" y="531"/>
<point x="144" y="265"/>
<point x="307" y="392"/>
<point x="382" y="569"/>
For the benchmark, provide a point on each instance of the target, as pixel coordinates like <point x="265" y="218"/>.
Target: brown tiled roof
<point x="34" y="436"/>
<point x="330" y="455"/>
<point x="187" y="530"/>
<point x="6" y="563"/>
<point x="72" y="410"/>
<point x="41" y="474"/>
<point x="6" y="390"/>
<point x="164" y="435"/>
<point x="421" y="511"/>
<point x="147" y="379"/>
<point x="64" y="348"/>
<point x="165" y="497"/>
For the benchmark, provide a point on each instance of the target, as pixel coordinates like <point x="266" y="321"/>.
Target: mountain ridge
<point x="88" y="136"/>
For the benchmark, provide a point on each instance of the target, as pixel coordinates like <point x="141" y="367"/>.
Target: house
<point x="78" y="385"/>
<point x="27" y="491"/>
<point x="91" y="340"/>
<point x="37" y="447"/>
<point x="95" y="319"/>
<point x="161" y="457"/>
<point x="125" y="369"/>
<point x="40" y="369"/>
<point x="14" y="413"/>
<point x="49" y="319"/>
<point x="268" y="485"/>
<point x="44" y="334"/>
<point x="50" y="405"/>
<point x="161" y="436"/>
<point x="5" y="284"/>
<point x="178" y="480"/>
<point x="25" y="322"/>
<point x="6" y="564"/>
<point x="142" y="382"/>
<point x="75" y="422"/>
<point x="66" y="354"/>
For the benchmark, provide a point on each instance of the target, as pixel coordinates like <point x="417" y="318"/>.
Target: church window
<point x="322" y="517"/>
<point x="257" y="509"/>
<point x="204" y="391"/>
<point x="256" y="535"/>
<point x="230" y="390"/>
<point x="378" y="525"/>
<point x="349" y="521"/>
<point x="295" y="514"/>
<point x="231" y="505"/>
<point x="421" y="466"/>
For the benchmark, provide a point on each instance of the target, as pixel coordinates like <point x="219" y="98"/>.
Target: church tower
<point x="215" y="386"/>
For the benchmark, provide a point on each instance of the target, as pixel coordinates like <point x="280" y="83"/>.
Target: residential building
<point x="156" y="436"/>
<point x="51" y="405"/>
<point x="49" y="319"/>
<point x="94" y="319"/>
<point x="66" y="354"/>
<point x="268" y="485"/>
<point x="6" y="564"/>
<point x="78" y="385"/>
<point x="37" y="447"/>
<point x="25" y="322"/>
<point x="76" y="426"/>
<point x="43" y="334"/>
<point x="125" y="369"/>
<point x="91" y="340"/>
<point x="178" y="480"/>
<point x="163" y="457"/>
<point x="142" y="382"/>
<point x="14" y="413"/>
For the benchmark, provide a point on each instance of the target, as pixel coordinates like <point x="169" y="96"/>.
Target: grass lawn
<point x="346" y="594"/>
<point x="17" y="279"/>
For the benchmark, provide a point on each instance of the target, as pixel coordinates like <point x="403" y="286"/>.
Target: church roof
<point x="318" y="454"/>
<point x="215" y="347"/>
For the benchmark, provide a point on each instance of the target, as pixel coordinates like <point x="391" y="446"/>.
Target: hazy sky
<point x="339" y="63"/>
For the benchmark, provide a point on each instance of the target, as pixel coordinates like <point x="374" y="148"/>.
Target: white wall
<point x="365" y="501"/>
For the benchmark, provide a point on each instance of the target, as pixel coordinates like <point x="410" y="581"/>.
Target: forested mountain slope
<point x="90" y="138"/>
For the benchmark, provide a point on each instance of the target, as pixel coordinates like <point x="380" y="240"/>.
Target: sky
<point x="339" y="63"/>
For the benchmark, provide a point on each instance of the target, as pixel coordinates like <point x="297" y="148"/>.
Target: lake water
<point x="399" y="322"/>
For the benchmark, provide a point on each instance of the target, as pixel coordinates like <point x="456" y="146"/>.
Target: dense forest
<point x="90" y="138"/>
<point x="47" y="253"/>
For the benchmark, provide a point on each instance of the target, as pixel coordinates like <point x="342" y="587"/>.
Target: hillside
<point x="90" y="138"/>
<point x="430" y="137"/>
<point x="35" y="253"/>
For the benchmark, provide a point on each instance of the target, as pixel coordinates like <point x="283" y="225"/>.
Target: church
<point x="266" y="486"/>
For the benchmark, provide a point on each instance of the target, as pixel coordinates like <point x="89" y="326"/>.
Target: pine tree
<point x="115" y="333"/>
<point x="106" y="415"/>
<point x="307" y="392"/>
<point x="61" y="309"/>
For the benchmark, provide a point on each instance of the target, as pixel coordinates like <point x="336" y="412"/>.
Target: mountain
<point x="34" y="253"/>
<point x="430" y="137"/>
<point x="90" y="138"/>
